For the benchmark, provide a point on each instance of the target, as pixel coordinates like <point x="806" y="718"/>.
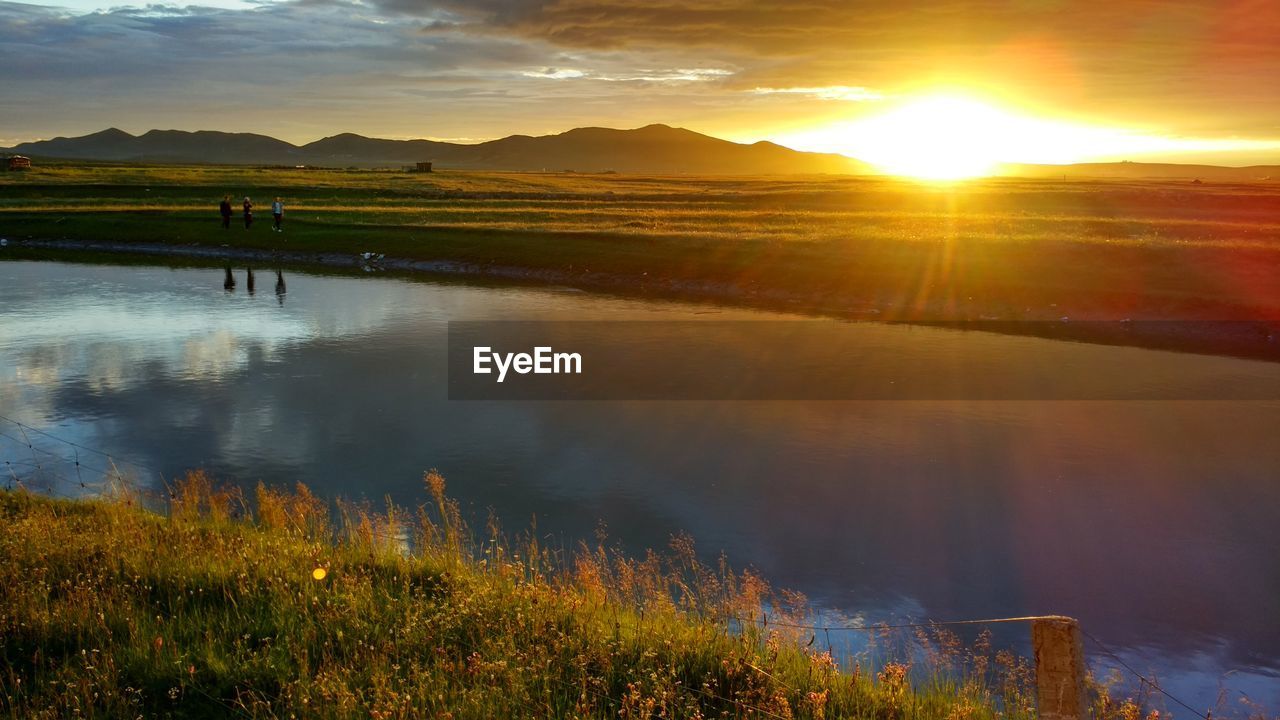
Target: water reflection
<point x="1151" y="521"/>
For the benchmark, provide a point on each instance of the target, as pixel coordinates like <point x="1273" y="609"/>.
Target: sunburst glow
<point x="936" y="137"/>
<point x="948" y="137"/>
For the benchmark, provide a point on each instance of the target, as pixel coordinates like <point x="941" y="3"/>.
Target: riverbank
<point x="996" y="250"/>
<point x="1245" y="338"/>
<point x="212" y="610"/>
<point x="993" y="249"/>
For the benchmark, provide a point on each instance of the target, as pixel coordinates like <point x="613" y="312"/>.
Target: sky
<point x="1044" y="80"/>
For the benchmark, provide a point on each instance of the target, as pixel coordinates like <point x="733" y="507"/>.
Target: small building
<point x="18" y="162"/>
<point x="423" y="167"/>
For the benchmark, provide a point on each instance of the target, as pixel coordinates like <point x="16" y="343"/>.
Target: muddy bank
<point x="1247" y="338"/>
<point x="585" y="279"/>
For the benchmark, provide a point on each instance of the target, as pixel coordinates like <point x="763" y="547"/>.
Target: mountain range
<point x="653" y="149"/>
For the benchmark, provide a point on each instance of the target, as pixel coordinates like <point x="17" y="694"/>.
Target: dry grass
<point x="109" y="610"/>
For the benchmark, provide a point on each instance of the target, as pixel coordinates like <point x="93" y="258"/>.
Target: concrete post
<point x="1059" y="654"/>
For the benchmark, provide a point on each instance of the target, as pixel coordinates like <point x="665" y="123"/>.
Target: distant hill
<point x="654" y="149"/>
<point x="1140" y="170"/>
<point x="351" y="149"/>
<point x="650" y="149"/>
<point x="165" y="146"/>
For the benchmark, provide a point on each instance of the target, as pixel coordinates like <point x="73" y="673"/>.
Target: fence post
<point x="1059" y="655"/>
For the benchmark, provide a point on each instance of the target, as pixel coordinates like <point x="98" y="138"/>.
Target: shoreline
<point x="1249" y="339"/>
<point x="612" y="283"/>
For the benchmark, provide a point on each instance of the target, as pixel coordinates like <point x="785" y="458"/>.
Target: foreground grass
<point x="1007" y="249"/>
<point x="109" y="610"/>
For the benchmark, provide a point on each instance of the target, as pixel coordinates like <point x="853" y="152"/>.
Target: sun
<point x="953" y="136"/>
<point x="937" y="137"/>
<point x="945" y="136"/>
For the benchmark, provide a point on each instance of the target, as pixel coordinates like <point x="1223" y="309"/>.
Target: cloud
<point x="650" y="75"/>
<point x="305" y="68"/>
<point x="1206" y="65"/>
<point x="555" y="73"/>
<point x="828" y="92"/>
<point x="308" y="68"/>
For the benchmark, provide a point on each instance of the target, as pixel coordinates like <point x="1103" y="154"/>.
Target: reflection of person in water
<point x="280" y="286"/>
<point x="229" y="283"/>
<point x="250" y="279"/>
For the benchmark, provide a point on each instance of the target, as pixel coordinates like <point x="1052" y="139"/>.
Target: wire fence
<point x="48" y="471"/>
<point x="66" y="467"/>
<point x="893" y="626"/>
<point x="1143" y="680"/>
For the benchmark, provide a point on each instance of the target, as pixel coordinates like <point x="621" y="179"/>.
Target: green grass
<point x="110" y="610"/>
<point x="999" y="248"/>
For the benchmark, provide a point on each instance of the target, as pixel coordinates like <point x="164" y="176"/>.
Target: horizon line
<point x="456" y="142"/>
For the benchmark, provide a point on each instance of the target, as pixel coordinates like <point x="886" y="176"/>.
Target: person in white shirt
<point x="277" y="212"/>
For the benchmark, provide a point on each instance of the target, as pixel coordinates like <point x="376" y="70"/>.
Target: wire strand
<point x="765" y="622"/>
<point x="1107" y="651"/>
<point x="86" y="448"/>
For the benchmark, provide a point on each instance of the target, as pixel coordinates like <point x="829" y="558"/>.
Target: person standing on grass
<point x="225" y="209"/>
<point x="248" y="212"/>
<point x="277" y="212"/>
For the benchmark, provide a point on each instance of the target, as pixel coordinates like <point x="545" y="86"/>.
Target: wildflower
<point x="435" y="483"/>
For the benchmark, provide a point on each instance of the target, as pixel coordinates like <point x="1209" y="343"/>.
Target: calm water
<point x="1157" y="523"/>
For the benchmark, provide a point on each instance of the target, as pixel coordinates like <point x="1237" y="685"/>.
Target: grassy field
<point x="997" y="248"/>
<point x="109" y="610"/>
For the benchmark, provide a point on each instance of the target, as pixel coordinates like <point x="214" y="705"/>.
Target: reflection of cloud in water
<point x="102" y="326"/>
<point x="106" y="345"/>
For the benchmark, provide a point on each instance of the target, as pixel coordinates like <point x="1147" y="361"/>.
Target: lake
<point x="1155" y="522"/>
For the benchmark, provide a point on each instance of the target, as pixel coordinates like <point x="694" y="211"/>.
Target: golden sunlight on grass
<point x="110" y="610"/>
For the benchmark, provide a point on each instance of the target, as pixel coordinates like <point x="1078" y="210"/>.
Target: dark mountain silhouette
<point x="656" y="149"/>
<point x="653" y="149"/>
<point x="650" y="149"/>
<point x="109" y="144"/>
<point x="162" y="146"/>
<point x="212" y="146"/>
<point x="351" y="149"/>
